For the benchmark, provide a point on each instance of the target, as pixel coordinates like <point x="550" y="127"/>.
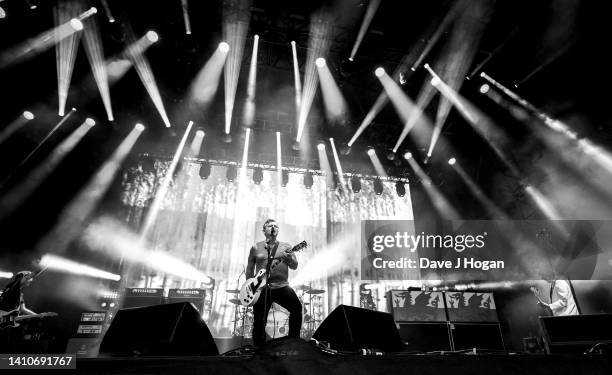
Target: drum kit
<point x="278" y="318"/>
<point x="312" y="309"/>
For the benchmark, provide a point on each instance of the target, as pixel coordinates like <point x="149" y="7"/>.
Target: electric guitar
<point x="13" y="319"/>
<point x="546" y="311"/>
<point x="251" y="289"/>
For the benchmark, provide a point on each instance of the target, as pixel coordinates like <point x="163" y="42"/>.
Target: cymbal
<point x="315" y="291"/>
<point x="232" y="291"/>
<point x="302" y="287"/>
<point x="235" y="301"/>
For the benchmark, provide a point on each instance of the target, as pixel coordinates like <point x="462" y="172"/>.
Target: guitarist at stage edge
<point x="12" y="294"/>
<point x="277" y="289"/>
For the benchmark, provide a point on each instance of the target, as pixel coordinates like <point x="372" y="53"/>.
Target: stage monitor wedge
<point x="576" y="333"/>
<point x="175" y="329"/>
<point x="352" y="328"/>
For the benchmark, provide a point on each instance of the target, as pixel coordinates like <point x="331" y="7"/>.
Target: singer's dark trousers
<point x="285" y="297"/>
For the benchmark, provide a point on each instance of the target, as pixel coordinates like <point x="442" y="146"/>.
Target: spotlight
<point x="296" y="146"/>
<point x="152" y="36"/>
<point x="204" y="171"/>
<point x="89" y="121"/>
<point x="224" y="47"/>
<point x="308" y="179"/>
<point x="2" y="13"/>
<point x="28" y="115"/>
<point x="408" y="155"/>
<point x="103" y="304"/>
<point x="391" y="156"/>
<point x="484" y="89"/>
<point x="256" y="36"/>
<point x="76" y="24"/>
<point x="413" y="69"/>
<point x="93" y="10"/>
<point x="400" y="188"/>
<point x="345" y="149"/>
<point x="355" y="184"/>
<point x="257" y="175"/>
<point x="378" y="186"/>
<point x="379" y="72"/>
<point x="200" y="133"/>
<point x="452" y="161"/>
<point x="320" y="62"/>
<point x="284" y="178"/>
<point x="140" y="127"/>
<point x="371" y="151"/>
<point x="402" y="79"/>
<point x="351" y="59"/>
<point x="293" y="42"/>
<point x="111" y="305"/>
<point x="321" y="146"/>
<point x="426" y="160"/>
<point x="435" y="81"/>
<point x="227" y="138"/>
<point x="231" y="173"/>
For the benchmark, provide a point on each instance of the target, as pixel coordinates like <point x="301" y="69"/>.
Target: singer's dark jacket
<point x="258" y="259"/>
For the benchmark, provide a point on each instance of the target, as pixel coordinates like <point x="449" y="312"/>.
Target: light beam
<point x="79" y="209"/>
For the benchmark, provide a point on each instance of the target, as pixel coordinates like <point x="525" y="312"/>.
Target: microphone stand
<point x="267" y="286"/>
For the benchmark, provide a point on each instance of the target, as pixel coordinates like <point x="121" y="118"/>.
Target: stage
<point x="424" y="181"/>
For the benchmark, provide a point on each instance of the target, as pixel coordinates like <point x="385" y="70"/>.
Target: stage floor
<point x="292" y="362"/>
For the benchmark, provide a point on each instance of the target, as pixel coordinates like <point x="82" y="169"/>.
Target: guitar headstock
<point x="299" y="246"/>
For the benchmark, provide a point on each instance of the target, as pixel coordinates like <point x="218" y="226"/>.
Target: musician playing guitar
<point x="561" y="297"/>
<point x="277" y="288"/>
<point x="13" y="313"/>
<point x="12" y="294"/>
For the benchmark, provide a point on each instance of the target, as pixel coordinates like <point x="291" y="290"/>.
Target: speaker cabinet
<point x="576" y="333"/>
<point x="425" y="337"/>
<point x="483" y="336"/>
<point x="195" y="296"/>
<point x="162" y="330"/>
<point x="140" y="297"/>
<point x="353" y="328"/>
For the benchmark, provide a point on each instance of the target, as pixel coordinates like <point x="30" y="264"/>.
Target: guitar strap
<point x="552" y="288"/>
<point x="270" y="257"/>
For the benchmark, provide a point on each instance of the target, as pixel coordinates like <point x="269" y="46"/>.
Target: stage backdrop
<point x="212" y="223"/>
